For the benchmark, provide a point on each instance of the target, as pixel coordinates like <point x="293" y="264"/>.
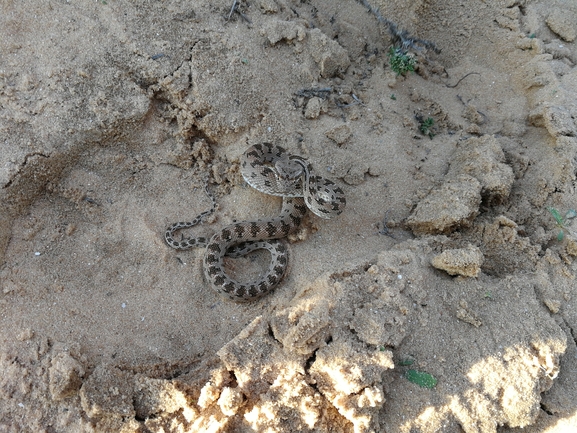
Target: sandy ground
<point x="446" y="260"/>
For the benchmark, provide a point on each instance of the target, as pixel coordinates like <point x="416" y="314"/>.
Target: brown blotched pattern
<point x="272" y="170"/>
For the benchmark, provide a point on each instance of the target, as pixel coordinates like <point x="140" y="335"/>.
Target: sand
<point x="446" y="261"/>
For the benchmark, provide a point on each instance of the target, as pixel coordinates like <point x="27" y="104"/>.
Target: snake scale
<point x="270" y="169"/>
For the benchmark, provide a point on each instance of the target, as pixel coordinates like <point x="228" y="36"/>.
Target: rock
<point x="339" y="134"/>
<point x="313" y="108"/>
<point x="26" y="334"/>
<point x="465" y="314"/>
<point x="560" y="50"/>
<point x="483" y="158"/>
<point x="473" y="115"/>
<point x="331" y="57"/>
<point x="563" y="23"/>
<point x="65" y="376"/>
<point x="554" y="305"/>
<point x="505" y="251"/>
<point x="531" y="44"/>
<point x="278" y="30"/>
<point x="268" y="6"/>
<point x="230" y="400"/>
<point x="558" y="121"/>
<point x="460" y="261"/>
<point x="153" y="396"/>
<point x="454" y="205"/>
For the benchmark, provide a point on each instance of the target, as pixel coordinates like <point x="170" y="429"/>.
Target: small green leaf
<point x="405" y="362"/>
<point x="426" y="126"/>
<point x="560" y="236"/>
<point x="556" y="215"/>
<point x="424" y="380"/>
<point x="400" y="61"/>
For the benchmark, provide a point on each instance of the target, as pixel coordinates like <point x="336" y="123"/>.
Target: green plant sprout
<point x="563" y="222"/>
<point x="424" y="380"/>
<point x="400" y="61"/>
<point x="426" y="127"/>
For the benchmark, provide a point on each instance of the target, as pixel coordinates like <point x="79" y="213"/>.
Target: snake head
<point x="289" y="169"/>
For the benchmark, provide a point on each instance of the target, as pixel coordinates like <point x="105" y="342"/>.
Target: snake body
<point x="269" y="169"/>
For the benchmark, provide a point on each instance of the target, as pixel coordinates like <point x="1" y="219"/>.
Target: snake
<point x="270" y="169"/>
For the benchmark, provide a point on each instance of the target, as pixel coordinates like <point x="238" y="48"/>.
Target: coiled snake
<point x="269" y="169"/>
